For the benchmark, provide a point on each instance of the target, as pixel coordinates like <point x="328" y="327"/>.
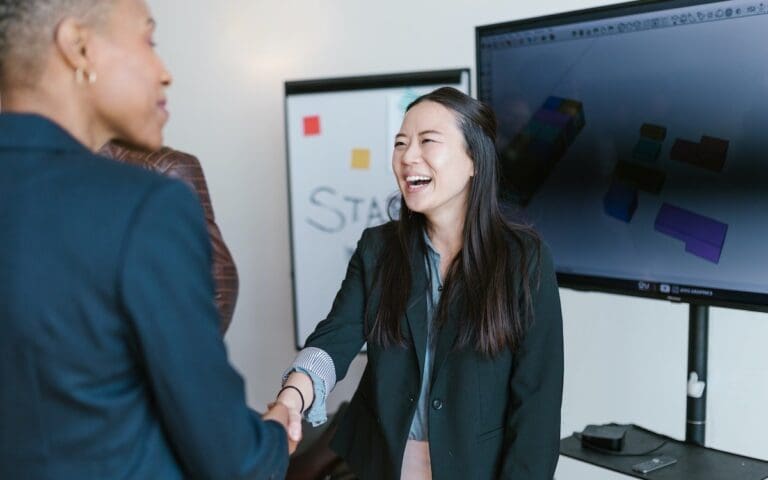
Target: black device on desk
<point x="604" y="437"/>
<point x="609" y="439"/>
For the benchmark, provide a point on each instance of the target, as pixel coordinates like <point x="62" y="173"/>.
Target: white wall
<point x="625" y="358"/>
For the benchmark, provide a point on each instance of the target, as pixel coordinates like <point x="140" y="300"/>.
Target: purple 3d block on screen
<point x="703" y="250"/>
<point x="703" y="236"/>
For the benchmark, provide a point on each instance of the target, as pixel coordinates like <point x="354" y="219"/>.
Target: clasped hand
<point x="290" y="418"/>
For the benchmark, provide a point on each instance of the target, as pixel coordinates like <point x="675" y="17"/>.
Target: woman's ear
<point x="70" y="41"/>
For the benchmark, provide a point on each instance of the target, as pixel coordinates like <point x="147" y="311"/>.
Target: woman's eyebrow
<point x="427" y="132"/>
<point x="423" y="132"/>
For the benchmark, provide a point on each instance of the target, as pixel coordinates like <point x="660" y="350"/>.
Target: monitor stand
<point x="698" y="351"/>
<point x="694" y="460"/>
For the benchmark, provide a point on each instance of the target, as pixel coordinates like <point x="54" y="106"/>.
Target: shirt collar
<point x="429" y="245"/>
<point x="35" y="132"/>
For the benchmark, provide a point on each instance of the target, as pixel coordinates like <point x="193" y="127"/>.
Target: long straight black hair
<point x="488" y="280"/>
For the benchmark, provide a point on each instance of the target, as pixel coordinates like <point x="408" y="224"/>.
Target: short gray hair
<point x="27" y="28"/>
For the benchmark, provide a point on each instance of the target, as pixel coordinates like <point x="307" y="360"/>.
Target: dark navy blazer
<point x="111" y="362"/>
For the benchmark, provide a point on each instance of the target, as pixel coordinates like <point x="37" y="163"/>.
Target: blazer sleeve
<point x="532" y="437"/>
<point x="342" y="333"/>
<point x="167" y="291"/>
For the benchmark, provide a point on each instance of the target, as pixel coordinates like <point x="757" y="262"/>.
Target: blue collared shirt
<point x="420" y="424"/>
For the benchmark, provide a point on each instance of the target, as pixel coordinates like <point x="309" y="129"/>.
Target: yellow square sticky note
<point x="361" y="159"/>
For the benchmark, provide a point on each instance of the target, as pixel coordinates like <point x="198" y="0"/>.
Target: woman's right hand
<point x="290" y="420"/>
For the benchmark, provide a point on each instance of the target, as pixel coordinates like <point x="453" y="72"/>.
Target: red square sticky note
<point x="312" y="125"/>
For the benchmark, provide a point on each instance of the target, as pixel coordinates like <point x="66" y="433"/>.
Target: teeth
<point x="417" y="178"/>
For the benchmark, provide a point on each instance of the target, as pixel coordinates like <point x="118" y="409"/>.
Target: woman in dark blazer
<point x="461" y="313"/>
<point x="111" y="361"/>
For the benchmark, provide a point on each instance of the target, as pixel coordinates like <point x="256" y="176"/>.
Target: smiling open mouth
<point x="417" y="181"/>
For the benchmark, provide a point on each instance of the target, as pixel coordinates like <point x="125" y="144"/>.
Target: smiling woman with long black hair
<point x="461" y="313"/>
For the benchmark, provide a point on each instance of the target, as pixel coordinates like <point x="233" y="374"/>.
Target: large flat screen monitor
<point x="635" y="138"/>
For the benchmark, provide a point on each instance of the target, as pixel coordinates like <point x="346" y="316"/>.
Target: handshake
<point x="289" y="405"/>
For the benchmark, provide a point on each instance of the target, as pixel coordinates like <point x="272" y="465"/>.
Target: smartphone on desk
<point x="655" y="463"/>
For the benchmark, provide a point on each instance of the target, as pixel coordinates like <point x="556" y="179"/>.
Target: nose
<point x="165" y="76"/>
<point x="412" y="154"/>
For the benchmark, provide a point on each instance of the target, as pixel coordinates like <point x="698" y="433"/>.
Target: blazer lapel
<point x="416" y="315"/>
<point x="446" y="338"/>
<point x="416" y="311"/>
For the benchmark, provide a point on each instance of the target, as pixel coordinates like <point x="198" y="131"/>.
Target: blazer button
<point x="411" y="398"/>
<point x="437" y="404"/>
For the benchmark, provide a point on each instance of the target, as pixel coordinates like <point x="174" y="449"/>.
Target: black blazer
<point x="488" y="418"/>
<point x="111" y="362"/>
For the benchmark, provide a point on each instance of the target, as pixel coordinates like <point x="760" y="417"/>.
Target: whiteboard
<point x="339" y="138"/>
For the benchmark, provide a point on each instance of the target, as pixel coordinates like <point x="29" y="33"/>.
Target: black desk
<point x="693" y="462"/>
